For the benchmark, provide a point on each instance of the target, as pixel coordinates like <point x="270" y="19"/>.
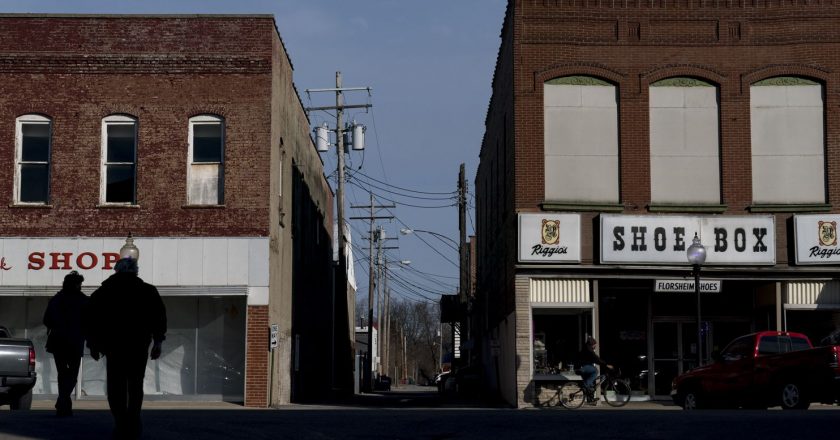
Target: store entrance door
<point x="674" y="352"/>
<point x="675" y="346"/>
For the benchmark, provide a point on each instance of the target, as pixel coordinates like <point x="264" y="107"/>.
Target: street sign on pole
<point x="272" y="340"/>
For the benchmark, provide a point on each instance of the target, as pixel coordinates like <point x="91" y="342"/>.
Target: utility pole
<point x="372" y="217"/>
<point x="341" y="264"/>
<point x="462" y="248"/>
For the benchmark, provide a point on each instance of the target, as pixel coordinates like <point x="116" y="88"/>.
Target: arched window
<point x="788" y="141"/>
<point x="33" y="142"/>
<point x="118" y="177"/>
<point x="580" y="140"/>
<point x="206" y="158"/>
<point x="684" y="142"/>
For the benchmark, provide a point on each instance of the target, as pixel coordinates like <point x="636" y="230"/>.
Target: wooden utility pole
<point x="372" y="217"/>
<point x="463" y="294"/>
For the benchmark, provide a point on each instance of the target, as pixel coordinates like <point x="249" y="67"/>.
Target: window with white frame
<point x="205" y="170"/>
<point x="788" y="141"/>
<point x="33" y="135"/>
<point x="119" y="160"/>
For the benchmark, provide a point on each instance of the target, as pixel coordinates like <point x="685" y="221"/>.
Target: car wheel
<point x="23" y="402"/>
<point x="793" y="396"/>
<point x="690" y="400"/>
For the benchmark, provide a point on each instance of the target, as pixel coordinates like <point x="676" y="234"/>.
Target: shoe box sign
<point x="729" y="240"/>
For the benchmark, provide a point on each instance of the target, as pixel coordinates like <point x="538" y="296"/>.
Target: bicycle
<point x="614" y="390"/>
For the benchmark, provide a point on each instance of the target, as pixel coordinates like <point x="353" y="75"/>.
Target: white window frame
<point x="206" y="120"/>
<point x="29" y="119"/>
<point x="103" y="170"/>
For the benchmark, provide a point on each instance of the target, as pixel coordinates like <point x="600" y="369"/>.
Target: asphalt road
<point x="401" y="417"/>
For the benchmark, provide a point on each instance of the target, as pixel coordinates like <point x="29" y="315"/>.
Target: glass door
<point x="674" y="352"/>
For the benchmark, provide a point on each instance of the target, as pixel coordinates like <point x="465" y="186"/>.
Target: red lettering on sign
<point x="111" y="259"/>
<point x="36" y="261"/>
<point x="62" y="259"/>
<point x="3" y="264"/>
<point x="80" y="260"/>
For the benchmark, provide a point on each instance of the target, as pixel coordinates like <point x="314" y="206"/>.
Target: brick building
<point x="616" y="131"/>
<point x="187" y="132"/>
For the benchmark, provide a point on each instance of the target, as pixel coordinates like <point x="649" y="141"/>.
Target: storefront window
<point x="203" y="354"/>
<point x="558" y="338"/>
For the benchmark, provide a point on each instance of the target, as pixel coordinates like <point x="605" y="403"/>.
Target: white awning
<point x="813" y="295"/>
<point x="560" y="292"/>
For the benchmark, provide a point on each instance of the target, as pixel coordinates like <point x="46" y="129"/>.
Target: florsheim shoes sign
<point x="549" y="238"/>
<point x="653" y="239"/>
<point x="816" y="239"/>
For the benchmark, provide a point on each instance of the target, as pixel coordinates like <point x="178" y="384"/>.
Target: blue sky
<point x="430" y="65"/>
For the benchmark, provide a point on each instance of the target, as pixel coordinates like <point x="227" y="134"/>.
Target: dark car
<point x="382" y="383"/>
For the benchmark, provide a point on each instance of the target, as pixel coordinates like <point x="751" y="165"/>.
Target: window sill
<point x="30" y="205"/>
<point x="714" y="209"/>
<point x="804" y="207"/>
<point x="116" y="206"/>
<point x="582" y="206"/>
<point x="202" y="206"/>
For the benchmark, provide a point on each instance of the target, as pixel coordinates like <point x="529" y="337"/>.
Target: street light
<point x="129" y="249"/>
<point x="696" y="254"/>
<point x="406" y="231"/>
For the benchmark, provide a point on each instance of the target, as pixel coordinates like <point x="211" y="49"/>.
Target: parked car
<point x="17" y="371"/>
<point x="382" y="383"/>
<point x="760" y="370"/>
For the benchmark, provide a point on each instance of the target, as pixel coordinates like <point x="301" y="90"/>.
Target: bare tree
<point x="415" y="340"/>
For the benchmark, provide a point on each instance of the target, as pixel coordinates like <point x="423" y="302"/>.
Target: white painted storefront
<point x="206" y="284"/>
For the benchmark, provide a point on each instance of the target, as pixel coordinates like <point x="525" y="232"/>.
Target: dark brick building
<point x="187" y="132"/>
<point x="616" y="131"/>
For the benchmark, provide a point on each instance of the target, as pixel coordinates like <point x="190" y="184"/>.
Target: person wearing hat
<point x="65" y="337"/>
<point x="589" y="359"/>
<point x="126" y="316"/>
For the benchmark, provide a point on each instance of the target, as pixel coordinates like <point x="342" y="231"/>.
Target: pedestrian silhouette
<point x="65" y="337"/>
<point x="125" y="316"/>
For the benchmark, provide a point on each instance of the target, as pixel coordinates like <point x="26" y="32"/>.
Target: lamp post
<point x="696" y="254"/>
<point x="129" y="249"/>
<point x="406" y="231"/>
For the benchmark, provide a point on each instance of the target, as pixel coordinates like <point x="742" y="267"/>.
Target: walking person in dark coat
<point x="65" y="337"/>
<point x="126" y="315"/>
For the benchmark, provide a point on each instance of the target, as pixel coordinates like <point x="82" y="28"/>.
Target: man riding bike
<point x="588" y="359"/>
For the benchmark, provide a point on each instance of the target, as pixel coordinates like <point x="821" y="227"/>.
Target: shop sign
<point x="816" y="239"/>
<point x="652" y="239"/>
<point x="686" y="285"/>
<point x="549" y="238"/>
<point x="164" y="261"/>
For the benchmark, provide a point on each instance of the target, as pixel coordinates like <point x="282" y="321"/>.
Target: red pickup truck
<point x="760" y="370"/>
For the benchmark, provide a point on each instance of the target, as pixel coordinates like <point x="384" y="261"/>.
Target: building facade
<point x="186" y="132"/>
<point x="616" y="131"/>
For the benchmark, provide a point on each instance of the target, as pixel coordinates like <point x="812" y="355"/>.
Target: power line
<point x="356" y="175"/>
<point x="406" y="189"/>
<point x="380" y="196"/>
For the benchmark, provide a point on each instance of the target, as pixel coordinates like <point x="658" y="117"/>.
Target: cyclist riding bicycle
<point x="588" y="372"/>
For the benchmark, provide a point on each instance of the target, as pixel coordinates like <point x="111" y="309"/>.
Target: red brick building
<point x="187" y="132"/>
<point x="617" y="130"/>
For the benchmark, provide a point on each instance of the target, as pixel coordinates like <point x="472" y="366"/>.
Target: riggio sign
<point x="651" y="239"/>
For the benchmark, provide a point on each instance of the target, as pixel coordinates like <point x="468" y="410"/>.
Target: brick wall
<point x="162" y="71"/>
<point x="633" y="43"/>
<point x="256" y="357"/>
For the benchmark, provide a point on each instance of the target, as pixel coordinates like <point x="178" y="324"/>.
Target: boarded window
<point x="581" y="140"/>
<point x="205" y="174"/>
<point x="684" y="142"/>
<point x="788" y="141"/>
